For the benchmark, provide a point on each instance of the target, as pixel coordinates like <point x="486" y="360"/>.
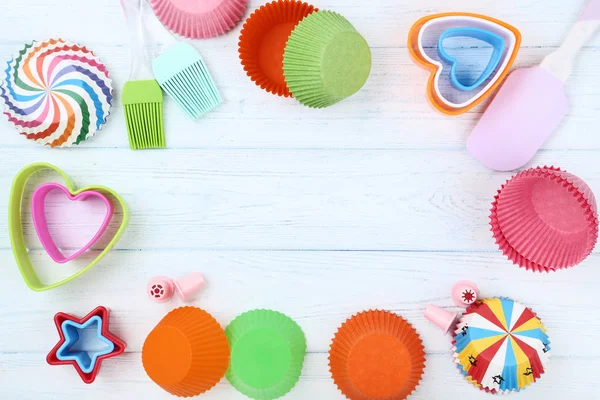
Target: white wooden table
<point x="372" y="203"/>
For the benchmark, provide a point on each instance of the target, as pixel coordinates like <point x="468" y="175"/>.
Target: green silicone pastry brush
<point x="142" y="97"/>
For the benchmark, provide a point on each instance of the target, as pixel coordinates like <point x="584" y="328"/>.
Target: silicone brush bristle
<point x="142" y="102"/>
<point x="181" y="72"/>
<point x="193" y="90"/>
<point x="145" y="126"/>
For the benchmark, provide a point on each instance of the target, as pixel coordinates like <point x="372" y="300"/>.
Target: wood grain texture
<point x="372" y="203"/>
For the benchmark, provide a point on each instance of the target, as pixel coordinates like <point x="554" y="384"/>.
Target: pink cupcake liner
<point x="545" y="219"/>
<point x="199" y="19"/>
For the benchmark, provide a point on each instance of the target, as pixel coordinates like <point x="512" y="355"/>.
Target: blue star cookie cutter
<point x="81" y="356"/>
<point x="86" y="361"/>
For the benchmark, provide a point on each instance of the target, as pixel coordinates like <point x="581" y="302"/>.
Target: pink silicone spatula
<point x="531" y="103"/>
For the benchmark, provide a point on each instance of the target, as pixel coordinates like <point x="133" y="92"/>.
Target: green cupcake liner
<point x="267" y="353"/>
<point x="325" y="60"/>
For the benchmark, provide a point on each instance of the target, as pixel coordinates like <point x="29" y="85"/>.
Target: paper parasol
<point x="56" y="93"/>
<point x="501" y="345"/>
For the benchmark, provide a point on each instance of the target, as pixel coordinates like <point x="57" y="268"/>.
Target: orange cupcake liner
<point x="263" y="39"/>
<point x="187" y="353"/>
<point x="376" y="355"/>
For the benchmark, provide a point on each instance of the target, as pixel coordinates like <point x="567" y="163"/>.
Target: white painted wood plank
<point x="441" y="380"/>
<point x="385" y="23"/>
<point x="319" y="290"/>
<point x="289" y="199"/>
<point x="286" y="212"/>
<point x="391" y="111"/>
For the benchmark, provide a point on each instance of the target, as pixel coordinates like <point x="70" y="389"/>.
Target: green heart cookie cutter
<point x="15" y="227"/>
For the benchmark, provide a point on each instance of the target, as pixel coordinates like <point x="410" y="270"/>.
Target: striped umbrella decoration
<point x="501" y="345"/>
<point x="56" y="93"/>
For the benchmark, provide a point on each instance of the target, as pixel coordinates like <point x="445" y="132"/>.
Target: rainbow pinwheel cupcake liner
<point x="56" y="93"/>
<point x="501" y="346"/>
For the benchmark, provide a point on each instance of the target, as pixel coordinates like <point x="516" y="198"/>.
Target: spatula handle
<point x="591" y="12"/>
<point x="166" y="37"/>
<point x="140" y="68"/>
<point x="560" y="63"/>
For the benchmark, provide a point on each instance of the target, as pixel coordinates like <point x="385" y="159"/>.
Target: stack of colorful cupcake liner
<point x="289" y="48"/>
<point x="545" y="219"/>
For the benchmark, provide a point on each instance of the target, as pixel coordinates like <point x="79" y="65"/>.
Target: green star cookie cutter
<point x="15" y="225"/>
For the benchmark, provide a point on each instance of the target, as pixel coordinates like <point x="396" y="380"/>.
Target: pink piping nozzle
<point x="187" y="287"/>
<point x="464" y="293"/>
<point x="160" y="289"/>
<point x="440" y="317"/>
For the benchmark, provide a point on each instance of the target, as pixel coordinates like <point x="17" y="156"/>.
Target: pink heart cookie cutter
<point x="38" y="212"/>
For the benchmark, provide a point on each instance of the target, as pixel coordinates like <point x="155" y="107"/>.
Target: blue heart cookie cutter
<point x="82" y="357"/>
<point x="496" y="41"/>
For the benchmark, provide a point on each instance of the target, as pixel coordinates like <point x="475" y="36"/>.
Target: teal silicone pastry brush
<point x="142" y="97"/>
<point x="182" y="74"/>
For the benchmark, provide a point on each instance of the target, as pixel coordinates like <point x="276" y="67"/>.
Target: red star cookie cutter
<point x="119" y="345"/>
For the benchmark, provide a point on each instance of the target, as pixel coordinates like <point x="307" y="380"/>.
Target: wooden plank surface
<point x="372" y="203"/>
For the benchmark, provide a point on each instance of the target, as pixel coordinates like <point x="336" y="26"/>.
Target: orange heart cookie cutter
<point x="419" y="56"/>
